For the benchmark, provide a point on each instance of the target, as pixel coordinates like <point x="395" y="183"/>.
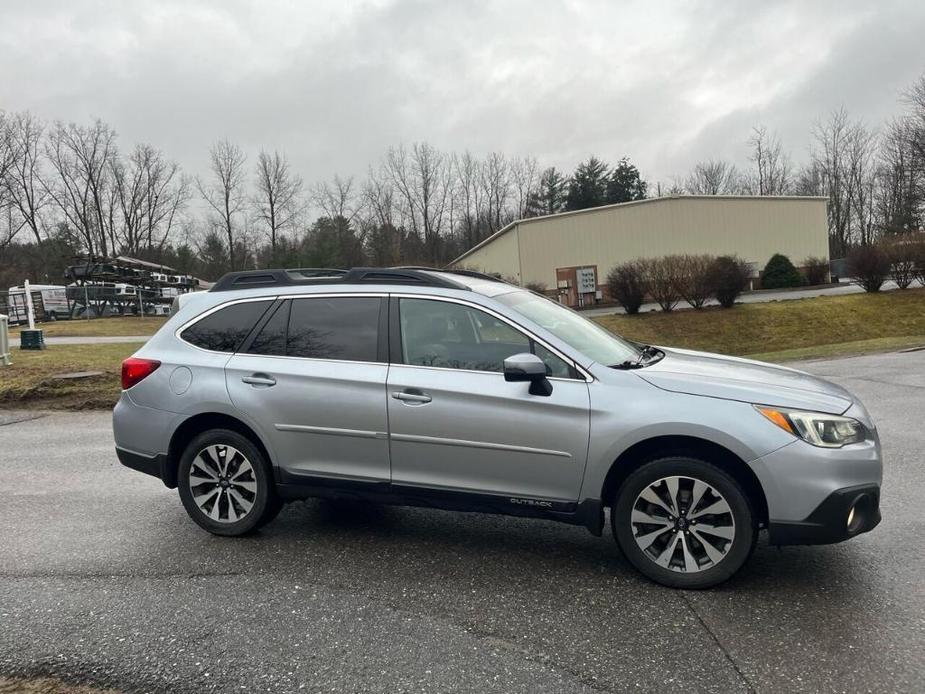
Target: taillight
<point x="135" y="370"/>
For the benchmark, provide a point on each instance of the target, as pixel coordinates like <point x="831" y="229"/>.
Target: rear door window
<point x="344" y="328"/>
<point x="225" y="329"/>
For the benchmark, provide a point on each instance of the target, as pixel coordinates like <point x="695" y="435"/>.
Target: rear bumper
<point x="154" y="465"/>
<point x="829" y="522"/>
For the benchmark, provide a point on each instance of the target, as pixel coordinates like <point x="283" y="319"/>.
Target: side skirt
<point x="588" y="513"/>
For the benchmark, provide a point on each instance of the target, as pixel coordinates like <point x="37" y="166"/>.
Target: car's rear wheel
<point x="684" y="523"/>
<point x="225" y="483"/>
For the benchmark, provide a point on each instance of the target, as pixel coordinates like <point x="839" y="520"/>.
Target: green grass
<point x="793" y="329"/>
<point x="97" y="327"/>
<point x="29" y="382"/>
<point x="843" y="349"/>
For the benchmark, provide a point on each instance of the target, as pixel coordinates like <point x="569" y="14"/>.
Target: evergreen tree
<point x="588" y="186"/>
<point x="332" y="242"/>
<point x="213" y="256"/>
<point x="780" y="273"/>
<point x="625" y="183"/>
<point x="185" y="259"/>
<point x="549" y="197"/>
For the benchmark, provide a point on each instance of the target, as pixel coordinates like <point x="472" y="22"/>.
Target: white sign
<point x="587" y="282"/>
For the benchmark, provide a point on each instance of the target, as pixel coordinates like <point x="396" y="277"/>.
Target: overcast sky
<point x="333" y="84"/>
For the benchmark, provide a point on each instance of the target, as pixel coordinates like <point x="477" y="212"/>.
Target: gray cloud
<point x="334" y="85"/>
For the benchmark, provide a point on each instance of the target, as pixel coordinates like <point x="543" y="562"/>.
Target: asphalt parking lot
<point x="103" y="579"/>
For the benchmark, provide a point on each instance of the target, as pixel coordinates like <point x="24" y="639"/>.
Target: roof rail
<point x="453" y="271"/>
<point x="478" y="275"/>
<point x="251" y="279"/>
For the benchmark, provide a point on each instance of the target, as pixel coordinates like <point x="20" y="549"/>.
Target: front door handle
<point x="406" y="396"/>
<point x="259" y="380"/>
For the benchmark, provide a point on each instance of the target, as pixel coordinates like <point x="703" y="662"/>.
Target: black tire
<point x="265" y="502"/>
<point x="743" y="525"/>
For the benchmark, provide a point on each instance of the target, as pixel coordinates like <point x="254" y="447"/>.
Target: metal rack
<point x="123" y="286"/>
<point x="429" y="277"/>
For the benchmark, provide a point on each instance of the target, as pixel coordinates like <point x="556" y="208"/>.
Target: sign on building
<point x="586" y="280"/>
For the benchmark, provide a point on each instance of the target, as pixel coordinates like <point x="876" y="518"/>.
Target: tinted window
<point x="335" y="328"/>
<point x="448" y="335"/>
<point x="271" y="339"/>
<point x="225" y="330"/>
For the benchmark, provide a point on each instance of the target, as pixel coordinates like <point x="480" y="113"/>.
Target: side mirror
<point x="528" y="367"/>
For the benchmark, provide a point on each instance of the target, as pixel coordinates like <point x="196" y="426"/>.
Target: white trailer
<point x="54" y="299"/>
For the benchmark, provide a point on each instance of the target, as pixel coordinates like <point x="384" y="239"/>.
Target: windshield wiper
<point x="647" y="355"/>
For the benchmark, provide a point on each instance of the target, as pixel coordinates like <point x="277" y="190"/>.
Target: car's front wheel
<point x="225" y="483"/>
<point x="684" y="522"/>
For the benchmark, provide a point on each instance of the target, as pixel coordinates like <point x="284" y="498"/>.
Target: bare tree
<point x="496" y="186"/>
<point x="899" y="180"/>
<point x="772" y="169"/>
<point x="383" y="239"/>
<point x="81" y="186"/>
<point x="808" y="181"/>
<point x="525" y="178"/>
<point x="379" y="198"/>
<point x="150" y="191"/>
<point x="10" y="225"/>
<point x="277" y="204"/>
<point x="337" y="198"/>
<point x="915" y="99"/>
<point x="843" y="158"/>
<point x="22" y="180"/>
<point x="714" y="177"/>
<point x="467" y="174"/>
<point x="423" y="180"/>
<point x="861" y="151"/>
<point x="224" y="193"/>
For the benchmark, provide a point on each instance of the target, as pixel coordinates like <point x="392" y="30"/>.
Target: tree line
<point x="68" y="189"/>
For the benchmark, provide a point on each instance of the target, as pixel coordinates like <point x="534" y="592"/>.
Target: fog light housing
<point x="858" y="514"/>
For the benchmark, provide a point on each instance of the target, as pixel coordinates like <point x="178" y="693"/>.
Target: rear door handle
<point x="259" y="380"/>
<point x="405" y="396"/>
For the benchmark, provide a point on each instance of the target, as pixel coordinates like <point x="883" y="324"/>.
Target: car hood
<point x="732" y="378"/>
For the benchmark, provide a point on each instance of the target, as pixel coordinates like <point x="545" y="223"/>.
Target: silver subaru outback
<point x="454" y="390"/>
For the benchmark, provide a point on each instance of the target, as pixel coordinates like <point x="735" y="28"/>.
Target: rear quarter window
<point x="225" y="329"/>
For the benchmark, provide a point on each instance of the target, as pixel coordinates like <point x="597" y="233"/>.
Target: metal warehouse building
<point x="573" y="251"/>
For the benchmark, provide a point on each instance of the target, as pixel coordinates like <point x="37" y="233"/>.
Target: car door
<point x="456" y="424"/>
<point x="313" y="377"/>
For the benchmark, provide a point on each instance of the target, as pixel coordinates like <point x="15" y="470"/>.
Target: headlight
<point x="824" y="430"/>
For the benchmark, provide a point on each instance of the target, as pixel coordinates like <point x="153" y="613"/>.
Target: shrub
<point x="537" y="287"/>
<point x="919" y="253"/>
<point x="730" y="275"/>
<point x="663" y="278"/>
<point x="627" y="285"/>
<point x="817" y="270"/>
<point x="903" y="252"/>
<point x="696" y="282"/>
<point x="780" y="273"/>
<point x="868" y="266"/>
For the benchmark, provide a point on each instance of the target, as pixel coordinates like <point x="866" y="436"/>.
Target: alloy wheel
<point x="222" y="483"/>
<point x="683" y="524"/>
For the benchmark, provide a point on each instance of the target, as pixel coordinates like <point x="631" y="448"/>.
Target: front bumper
<point x="832" y="520"/>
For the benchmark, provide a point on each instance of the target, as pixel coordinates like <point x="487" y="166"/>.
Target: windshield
<point x="578" y="332"/>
